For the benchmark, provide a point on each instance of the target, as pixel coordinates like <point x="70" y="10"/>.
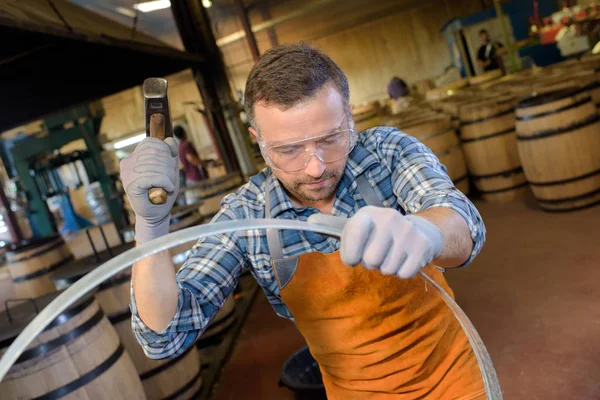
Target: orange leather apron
<point x="375" y="336"/>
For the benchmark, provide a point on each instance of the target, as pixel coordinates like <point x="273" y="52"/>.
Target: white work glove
<point x="154" y="163"/>
<point x="383" y="239"/>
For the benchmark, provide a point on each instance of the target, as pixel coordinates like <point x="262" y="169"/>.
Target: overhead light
<point x="129" y="141"/>
<point x="125" y="11"/>
<point x="150" y="6"/>
<point x="206" y="3"/>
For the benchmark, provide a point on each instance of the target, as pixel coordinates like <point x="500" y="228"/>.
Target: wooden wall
<point x="371" y="40"/>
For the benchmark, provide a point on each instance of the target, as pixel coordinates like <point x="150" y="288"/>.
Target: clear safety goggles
<point x="293" y="156"/>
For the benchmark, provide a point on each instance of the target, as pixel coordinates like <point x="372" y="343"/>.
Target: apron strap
<point x="273" y="241"/>
<point x="367" y="192"/>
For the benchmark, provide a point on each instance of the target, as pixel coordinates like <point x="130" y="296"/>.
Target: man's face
<point x="317" y="182"/>
<point x="485" y="38"/>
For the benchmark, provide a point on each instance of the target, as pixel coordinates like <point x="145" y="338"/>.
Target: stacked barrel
<point x="79" y="355"/>
<point x="366" y="116"/>
<point x="436" y="132"/>
<point x="558" y="140"/>
<point x="489" y="141"/>
<point x="31" y="264"/>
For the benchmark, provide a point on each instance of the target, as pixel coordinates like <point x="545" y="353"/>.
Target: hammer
<point x="158" y="122"/>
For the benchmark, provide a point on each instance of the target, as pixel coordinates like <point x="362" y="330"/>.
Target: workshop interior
<point x="505" y="94"/>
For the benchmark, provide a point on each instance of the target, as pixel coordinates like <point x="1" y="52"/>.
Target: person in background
<point x="490" y="52"/>
<point x="399" y="93"/>
<point x="192" y="165"/>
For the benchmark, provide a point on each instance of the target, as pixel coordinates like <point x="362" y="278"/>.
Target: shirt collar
<point x="359" y="161"/>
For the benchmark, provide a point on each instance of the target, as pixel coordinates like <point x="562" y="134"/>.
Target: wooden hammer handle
<point x="157" y="130"/>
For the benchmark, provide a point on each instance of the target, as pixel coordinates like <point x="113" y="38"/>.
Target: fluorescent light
<point x="125" y="11"/>
<point x="150" y="6"/>
<point x="129" y="141"/>
<point x="3" y="229"/>
<point x="206" y="3"/>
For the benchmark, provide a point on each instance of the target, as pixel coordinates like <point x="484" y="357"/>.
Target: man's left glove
<point x="384" y="239"/>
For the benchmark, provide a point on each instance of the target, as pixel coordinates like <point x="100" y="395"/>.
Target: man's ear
<point x="252" y="131"/>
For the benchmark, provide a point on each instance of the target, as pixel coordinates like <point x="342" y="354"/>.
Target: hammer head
<point x="156" y="105"/>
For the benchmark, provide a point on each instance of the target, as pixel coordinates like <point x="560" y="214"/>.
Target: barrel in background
<point x="489" y="142"/>
<point x="30" y="265"/>
<point x="79" y="355"/>
<point x="558" y="142"/>
<point x="438" y="134"/>
<point x="366" y="116"/>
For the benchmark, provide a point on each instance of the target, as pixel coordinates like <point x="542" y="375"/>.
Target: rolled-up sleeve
<point x="204" y="282"/>
<point x="421" y="182"/>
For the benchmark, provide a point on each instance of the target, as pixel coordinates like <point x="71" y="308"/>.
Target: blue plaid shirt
<point x="418" y="182"/>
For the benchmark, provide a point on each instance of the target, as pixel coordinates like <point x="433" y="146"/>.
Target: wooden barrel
<point x="78" y="356"/>
<point x="178" y="378"/>
<point x="558" y="142"/>
<point x="366" y="120"/>
<point x="486" y="77"/>
<point x="438" y="134"/>
<point x="181" y="218"/>
<point x="31" y="264"/>
<point x="594" y="91"/>
<point x="7" y="291"/>
<point x="219" y="324"/>
<point x="489" y="141"/>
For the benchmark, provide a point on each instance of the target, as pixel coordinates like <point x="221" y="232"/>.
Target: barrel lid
<point x="29" y="244"/>
<point x="67" y="275"/>
<point x="540" y="99"/>
<point x="13" y="322"/>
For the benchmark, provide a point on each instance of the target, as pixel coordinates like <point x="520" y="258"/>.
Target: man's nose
<point x="315" y="167"/>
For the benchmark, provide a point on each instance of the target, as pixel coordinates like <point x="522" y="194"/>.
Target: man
<point x="490" y="53"/>
<point x="192" y="165"/>
<point x="375" y="329"/>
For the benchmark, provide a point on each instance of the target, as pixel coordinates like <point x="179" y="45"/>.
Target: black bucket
<point x="302" y="375"/>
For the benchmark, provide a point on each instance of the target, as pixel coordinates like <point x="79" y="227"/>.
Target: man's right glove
<point x="154" y="163"/>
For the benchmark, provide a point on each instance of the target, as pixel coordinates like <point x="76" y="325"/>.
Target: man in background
<point x="192" y="165"/>
<point x="490" y="52"/>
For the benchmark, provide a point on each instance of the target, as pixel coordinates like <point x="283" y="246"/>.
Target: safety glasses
<point x="294" y="155"/>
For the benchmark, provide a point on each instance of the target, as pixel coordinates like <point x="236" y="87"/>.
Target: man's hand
<point x="154" y="163"/>
<point x="383" y="239"/>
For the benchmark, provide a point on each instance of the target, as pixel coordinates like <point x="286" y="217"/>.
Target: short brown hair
<point x="289" y="74"/>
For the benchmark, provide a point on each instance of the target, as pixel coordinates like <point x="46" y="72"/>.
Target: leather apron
<point x="375" y="336"/>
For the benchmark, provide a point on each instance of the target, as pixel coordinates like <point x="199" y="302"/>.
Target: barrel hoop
<point x="558" y="110"/>
<point x="434" y="135"/>
<point x="477" y="121"/>
<point x="61" y="319"/>
<point x="567" y="199"/>
<point x="154" y="371"/>
<point x="187" y="387"/>
<point x="460" y="179"/>
<point x="85" y="378"/>
<point x="119" y="317"/>
<point x="565" y="210"/>
<point x="43" y="271"/>
<point x="114" y="282"/>
<point x="448" y="151"/>
<point x="570" y="180"/>
<point x="63" y="339"/>
<point x="506" y="173"/>
<point x="528" y="102"/>
<point x="520" y="185"/>
<point x="592" y="86"/>
<point x="506" y="132"/>
<point x="38" y="253"/>
<point x="553" y="132"/>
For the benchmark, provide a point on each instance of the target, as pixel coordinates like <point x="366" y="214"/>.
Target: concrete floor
<point x="533" y="294"/>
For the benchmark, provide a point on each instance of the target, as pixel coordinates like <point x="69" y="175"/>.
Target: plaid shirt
<point x="418" y="182"/>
